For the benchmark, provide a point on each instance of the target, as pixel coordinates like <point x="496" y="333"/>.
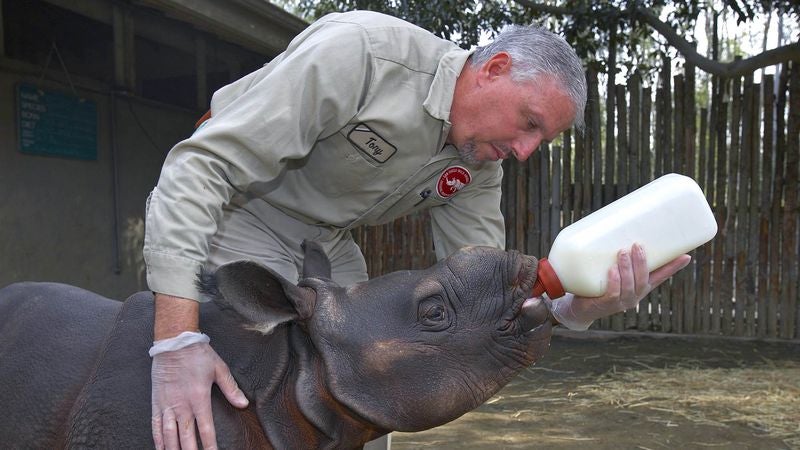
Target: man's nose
<point x="524" y="147"/>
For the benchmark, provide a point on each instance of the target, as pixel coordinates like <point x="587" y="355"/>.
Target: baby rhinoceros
<point x="324" y="366"/>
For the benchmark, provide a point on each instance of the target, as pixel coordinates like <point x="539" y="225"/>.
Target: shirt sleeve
<point x="472" y="217"/>
<point x="257" y="124"/>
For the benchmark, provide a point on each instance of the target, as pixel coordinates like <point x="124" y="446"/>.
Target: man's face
<point x="502" y="118"/>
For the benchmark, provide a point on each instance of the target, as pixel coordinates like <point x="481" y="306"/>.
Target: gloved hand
<point x="628" y="283"/>
<point x="184" y="368"/>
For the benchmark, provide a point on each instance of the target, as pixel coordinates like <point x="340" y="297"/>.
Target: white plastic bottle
<point x="667" y="217"/>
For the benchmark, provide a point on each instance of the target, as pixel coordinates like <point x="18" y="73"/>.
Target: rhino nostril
<point x="534" y="313"/>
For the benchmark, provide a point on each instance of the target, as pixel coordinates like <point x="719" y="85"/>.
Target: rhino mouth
<point x="533" y="314"/>
<point x="527" y="313"/>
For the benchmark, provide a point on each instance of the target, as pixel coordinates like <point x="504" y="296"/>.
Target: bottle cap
<point x="547" y="281"/>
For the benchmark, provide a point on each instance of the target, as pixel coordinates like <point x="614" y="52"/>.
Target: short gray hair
<point x="535" y="51"/>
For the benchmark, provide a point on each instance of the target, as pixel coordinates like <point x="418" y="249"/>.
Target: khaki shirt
<point x="346" y="127"/>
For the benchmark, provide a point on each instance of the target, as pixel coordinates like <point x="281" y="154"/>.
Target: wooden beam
<point x="258" y="26"/>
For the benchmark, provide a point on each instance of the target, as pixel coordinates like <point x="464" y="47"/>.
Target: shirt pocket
<point x="336" y="167"/>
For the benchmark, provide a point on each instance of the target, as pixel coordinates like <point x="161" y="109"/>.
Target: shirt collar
<point x="440" y="95"/>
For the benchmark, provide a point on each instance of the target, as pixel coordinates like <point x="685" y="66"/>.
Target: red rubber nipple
<point x="547" y="281"/>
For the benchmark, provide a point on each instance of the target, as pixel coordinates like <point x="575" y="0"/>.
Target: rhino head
<point x="409" y="350"/>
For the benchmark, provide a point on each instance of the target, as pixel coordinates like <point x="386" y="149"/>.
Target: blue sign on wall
<point x="55" y="124"/>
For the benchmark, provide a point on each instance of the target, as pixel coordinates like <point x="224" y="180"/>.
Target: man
<point x="364" y="118"/>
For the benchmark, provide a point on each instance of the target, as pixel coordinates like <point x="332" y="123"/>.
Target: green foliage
<point x="592" y="27"/>
<point x="459" y="21"/>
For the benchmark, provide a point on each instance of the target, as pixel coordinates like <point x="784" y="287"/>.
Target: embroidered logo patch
<point x="371" y="143"/>
<point x="452" y="180"/>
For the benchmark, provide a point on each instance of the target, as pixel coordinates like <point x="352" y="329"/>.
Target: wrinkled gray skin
<point x="342" y="365"/>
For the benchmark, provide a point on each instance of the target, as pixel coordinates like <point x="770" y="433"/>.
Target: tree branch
<point x="551" y="9"/>
<point x="725" y="70"/>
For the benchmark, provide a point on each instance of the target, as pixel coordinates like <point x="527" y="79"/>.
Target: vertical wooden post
<point x="634" y="128"/>
<point x="743" y="234"/>
<point x="618" y="322"/>
<point x="676" y="284"/>
<point x="543" y="178"/>
<point x="689" y="122"/>
<point x="130" y="51"/>
<point x="730" y="221"/>
<point x="597" y="148"/>
<point x="201" y="71"/>
<point x="510" y="195"/>
<point x="791" y="311"/>
<point x="609" y="192"/>
<point x="555" y="197"/>
<point x="754" y="190"/>
<point x="702" y="255"/>
<point x="721" y="294"/>
<point x="678" y="150"/>
<point x="505" y="207"/>
<point x="777" y="248"/>
<point x="687" y="278"/>
<point x="766" y="303"/>
<point x="711" y="188"/>
<point x="534" y="206"/>
<point x="623" y="165"/>
<point x="660" y="135"/>
<point x="588" y="147"/>
<point x="579" y="177"/>
<point x="537" y="203"/>
<point x="124" y="64"/>
<point x="567" y="177"/>
<point x="662" y="165"/>
<point x="520" y="215"/>
<point x="666" y="82"/>
<point x="647" y="306"/>
<point x="646" y="150"/>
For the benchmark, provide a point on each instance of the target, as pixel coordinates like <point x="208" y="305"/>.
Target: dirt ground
<point x="612" y="391"/>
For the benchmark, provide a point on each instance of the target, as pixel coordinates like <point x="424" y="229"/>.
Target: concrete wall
<point x="81" y="222"/>
<point x="57" y="215"/>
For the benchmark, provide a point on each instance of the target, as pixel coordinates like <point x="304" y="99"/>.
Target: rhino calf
<point x="324" y="366"/>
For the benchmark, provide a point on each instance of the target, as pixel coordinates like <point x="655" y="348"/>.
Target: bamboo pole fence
<point x="743" y="149"/>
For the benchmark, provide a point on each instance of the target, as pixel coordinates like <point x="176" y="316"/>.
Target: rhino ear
<point x="315" y="262"/>
<point x="259" y="295"/>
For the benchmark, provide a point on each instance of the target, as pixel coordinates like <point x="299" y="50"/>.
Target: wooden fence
<point x="742" y="149"/>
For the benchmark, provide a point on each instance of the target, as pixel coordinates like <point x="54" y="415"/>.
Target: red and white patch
<point x="452" y="180"/>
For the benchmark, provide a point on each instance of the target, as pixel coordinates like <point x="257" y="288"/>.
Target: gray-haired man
<point x="364" y="118"/>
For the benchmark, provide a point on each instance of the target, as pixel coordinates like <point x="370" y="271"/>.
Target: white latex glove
<point x="628" y="283"/>
<point x="184" y="368"/>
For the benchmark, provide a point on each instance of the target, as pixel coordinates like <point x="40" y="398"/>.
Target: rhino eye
<point x="433" y="313"/>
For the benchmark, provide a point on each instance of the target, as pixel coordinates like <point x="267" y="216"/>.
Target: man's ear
<point x="262" y="297"/>
<point x="499" y="64"/>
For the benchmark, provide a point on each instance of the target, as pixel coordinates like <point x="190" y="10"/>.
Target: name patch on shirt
<point x="371" y="143"/>
<point x="452" y="180"/>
